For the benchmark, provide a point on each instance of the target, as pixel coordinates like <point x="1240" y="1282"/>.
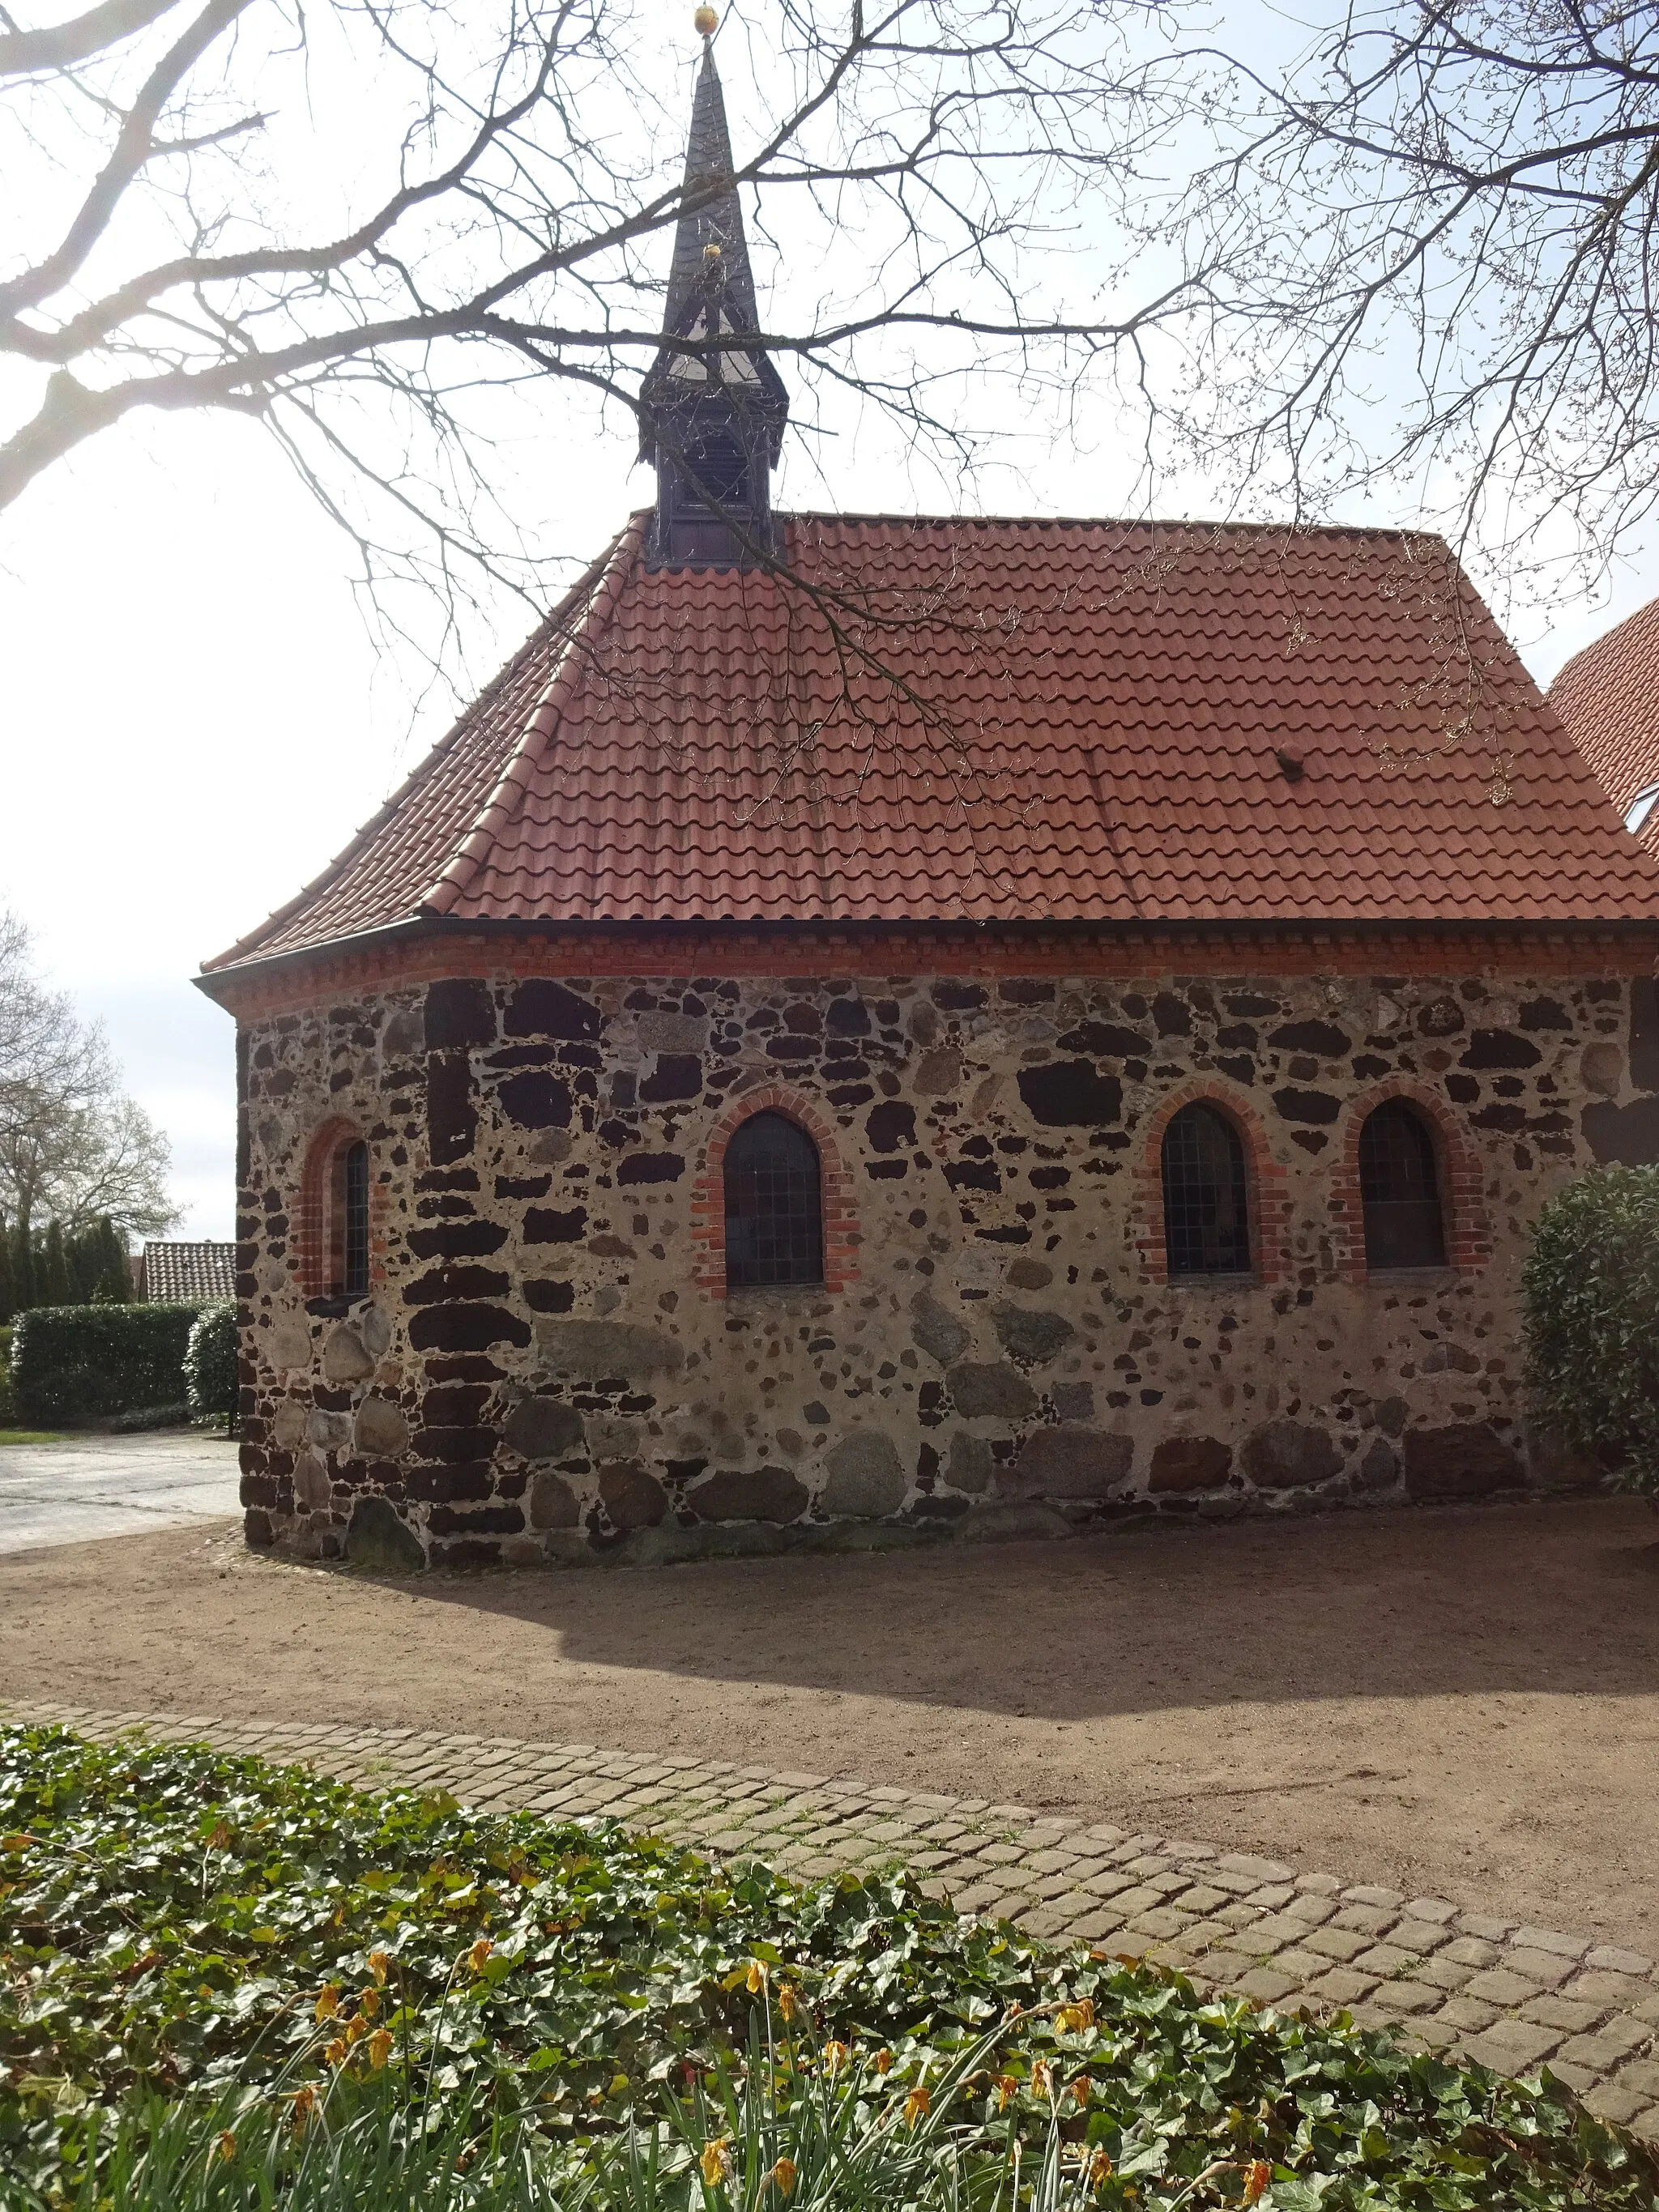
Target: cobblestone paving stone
<point x="1499" y="1990"/>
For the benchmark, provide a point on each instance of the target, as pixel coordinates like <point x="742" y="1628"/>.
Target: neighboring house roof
<point x="1001" y="721"/>
<point x="184" y="1274"/>
<point x="1609" y="697"/>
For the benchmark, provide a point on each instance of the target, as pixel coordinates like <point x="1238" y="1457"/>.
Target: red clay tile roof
<point x="180" y="1274"/>
<point x="1609" y="697"/>
<point x="1002" y="721"/>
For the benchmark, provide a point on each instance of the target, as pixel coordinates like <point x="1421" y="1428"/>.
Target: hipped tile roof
<point x="999" y="721"/>
<point x="1609" y="697"/>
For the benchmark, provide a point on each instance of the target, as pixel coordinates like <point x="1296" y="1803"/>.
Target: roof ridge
<point x="462" y="865"/>
<point x="1369" y="530"/>
<point x="466" y="720"/>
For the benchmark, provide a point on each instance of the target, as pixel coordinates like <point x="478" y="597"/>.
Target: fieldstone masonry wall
<point x="548" y="1367"/>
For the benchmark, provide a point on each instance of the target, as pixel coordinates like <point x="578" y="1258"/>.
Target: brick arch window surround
<point x="1203" y="1153"/>
<point x="837" y="1257"/>
<point x="1401" y="1146"/>
<point x="336" y="1246"/>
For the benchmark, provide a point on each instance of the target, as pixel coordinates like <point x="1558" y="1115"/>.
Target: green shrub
<point x="210" y="1362"/>
<point x="1590" y="1294"/>
<point x="141" y="1418"/>
<point x="82" y="1363"/>
<point x="6" y="1408"/>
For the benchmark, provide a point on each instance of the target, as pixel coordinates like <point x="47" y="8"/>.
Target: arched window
<point x="1206" y="1217"/>
<point x="351" y="1220"/>
<point x="774" y="1210"/>
<point x="1400" y="1190"/>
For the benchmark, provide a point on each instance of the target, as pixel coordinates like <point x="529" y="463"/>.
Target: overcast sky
<point x="196" y="716"/>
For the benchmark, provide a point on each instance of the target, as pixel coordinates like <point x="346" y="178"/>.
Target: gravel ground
<point x="1458" y="1702"/>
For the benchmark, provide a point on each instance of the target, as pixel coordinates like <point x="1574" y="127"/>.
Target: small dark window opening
<point x="1206" y="1217"/>
<point x="774" y="1207"/>
<point x="1399" y="1191"/>
<point x="717" y="470"/>
<point x="353" y="1220"/>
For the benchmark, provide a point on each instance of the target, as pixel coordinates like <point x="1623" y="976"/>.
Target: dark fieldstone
<point x="548" y="1224"/>
<point x="1500" y="1049"/>
<point x="1029" y="1334"/>
<point x="463" y="1328"/>
<point x="632" y="1496"/>
<point x="996" y="1389"/>
<point x="1380" y="1468"/>
<point x="762" y="1493"/>
<point x="1074" y="1401"/>
<point x="969" y="1464"/>
<point x="1287" y="1454"/>
<point x="257" y="1531"/>
<point x="486" y="1520"/>
<point x="552" y="1501"/>
<point x="938" y="1072"/>
<point x="939" y="1334"/>
<point x="544" y="1294"/>
<point x="1391" y="1416"/>
<point x="1627" y="1136"/>
<point x="1190" y="1463"/>
<point x="1545" y="1014"/>
<point x="1323" y="1039"/>
<point x="542" y="1428"/>
<point x="1029" y="1274"/>
<point x="1645" y="1033"/>
<point x="1306" y="1105"/>
<point x="651" y="1167"/>
<point x="450" y="1118"/>
<point x="791" y="1046"/>
<point x="890" y="1125"/>
<point x="846" y="1017"/>
<point x="460" y="1446"/>
<point x="380" y="1539"/>
<point x="457" y="1240"/>
<point x="817" y="1412"/>
<point x="1105" y="1040"/>
<point x="459" y="1014"/>
<point x="1466" y="1461"/>
<point x="597" y="1349"/>
<point x="1440" y="1017"/>
<point x="542" y="1008"/>
<point x="257" y="1489"/>
<point x="447" y="1483"/>
<point x="453" y="1282"/>
<point x="865" y="1479"/>
<point x="1071" y="1463"/>
<point x="537" y="1099"/>
<point x="1172" y="1015"/>
<point x="973" y="1174"/>
<point x="1071" y="1094"/>
<point x="676" y="1075"/>
<point x="958" y="998"/>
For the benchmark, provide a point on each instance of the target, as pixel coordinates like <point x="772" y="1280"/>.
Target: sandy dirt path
<point x="1463" y="1702"/>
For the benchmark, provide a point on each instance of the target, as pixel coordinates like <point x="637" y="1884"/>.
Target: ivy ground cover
<point x="184" y="1933"/>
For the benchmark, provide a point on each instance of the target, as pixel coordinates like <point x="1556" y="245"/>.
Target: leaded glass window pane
<point x="773" y="1206"/>
<point x="354" y="1222"/>
<point x="1206" y="1217"/>
<point x="1399" y="1190"/>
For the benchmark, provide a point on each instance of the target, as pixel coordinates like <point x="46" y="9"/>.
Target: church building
<point x="879" y="1029"/>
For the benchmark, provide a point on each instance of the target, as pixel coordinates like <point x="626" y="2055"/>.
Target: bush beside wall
<point x="210" y="1362"/>
<point x="1590" y="1294"/>
<point x="83" y="1363"/>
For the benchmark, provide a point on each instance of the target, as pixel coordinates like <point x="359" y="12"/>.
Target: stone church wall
<point x="547" y="1366"/>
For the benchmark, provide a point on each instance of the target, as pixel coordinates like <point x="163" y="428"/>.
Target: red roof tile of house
<point x="1609" y="697"/>
<point x="1001" y="722"/>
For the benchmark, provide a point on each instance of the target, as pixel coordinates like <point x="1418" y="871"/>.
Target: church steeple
<point x="712" y="417"/>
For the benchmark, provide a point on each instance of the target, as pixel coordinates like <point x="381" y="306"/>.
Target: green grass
<point x="34" y="1436"/>
<point x="221" y="1983"/>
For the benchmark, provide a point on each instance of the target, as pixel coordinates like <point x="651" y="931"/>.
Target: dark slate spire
<point x="712" y="419"/>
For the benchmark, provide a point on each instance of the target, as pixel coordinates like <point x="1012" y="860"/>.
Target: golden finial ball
<point x="705" y="20"/>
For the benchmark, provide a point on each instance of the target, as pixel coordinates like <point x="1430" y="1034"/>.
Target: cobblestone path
<point x="1506" y="1993"/>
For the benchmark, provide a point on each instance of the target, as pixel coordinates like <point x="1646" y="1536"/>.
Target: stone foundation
<point x="547" y="1367"/>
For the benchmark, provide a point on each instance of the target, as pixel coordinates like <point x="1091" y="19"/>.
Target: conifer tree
<point x="55" y="1286"/>
<point x="8" y="1299"/>
<point x="23" y="1286"/>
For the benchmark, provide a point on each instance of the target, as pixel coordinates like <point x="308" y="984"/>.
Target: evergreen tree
<point x="7" y="1297"/>
<point x="24" y="1284"/>
<point x="55" y="1288"/>
<point x="112" y="1279"/>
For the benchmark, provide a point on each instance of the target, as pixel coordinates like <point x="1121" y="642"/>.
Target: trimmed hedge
<point x="82" y="1363"/>
<point x="1590" y="1292"/>
<point x="210" y="1362"/>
